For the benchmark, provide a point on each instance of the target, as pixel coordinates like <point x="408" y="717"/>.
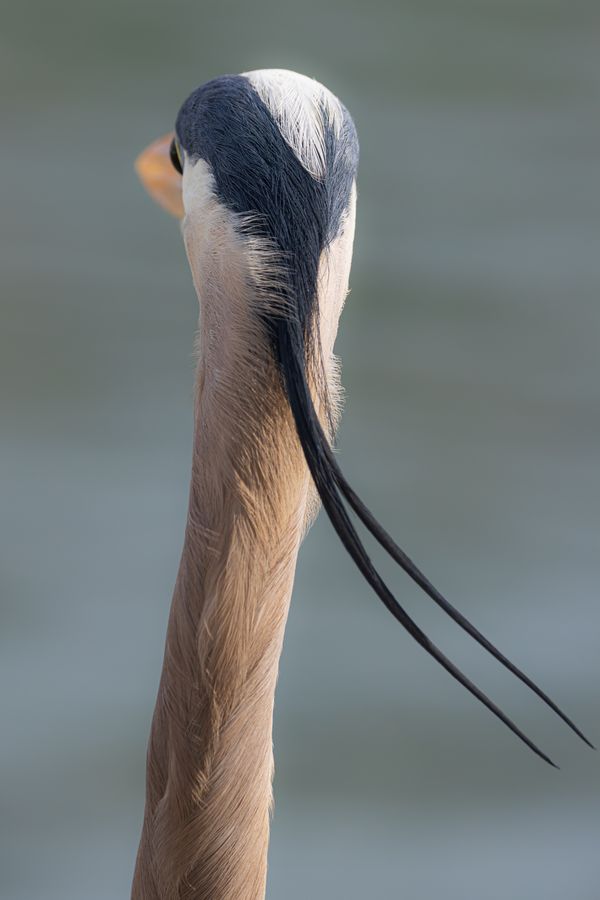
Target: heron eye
<point x="175" y="154"/>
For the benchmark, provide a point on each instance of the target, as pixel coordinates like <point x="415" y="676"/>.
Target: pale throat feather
<point x="210" y="760"/>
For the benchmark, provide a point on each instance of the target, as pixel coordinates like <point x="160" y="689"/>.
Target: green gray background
<point x="470" y="345"/>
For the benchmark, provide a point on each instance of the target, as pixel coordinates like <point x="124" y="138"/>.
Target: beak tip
<point x="155" y="170"/>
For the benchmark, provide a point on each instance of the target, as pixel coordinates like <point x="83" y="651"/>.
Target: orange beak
<point x="156" y="172"/>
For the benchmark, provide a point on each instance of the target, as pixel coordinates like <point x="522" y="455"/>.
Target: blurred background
<point x="471" y="362"/>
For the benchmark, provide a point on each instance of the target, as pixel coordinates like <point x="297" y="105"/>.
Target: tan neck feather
<point x="209" y="769"/>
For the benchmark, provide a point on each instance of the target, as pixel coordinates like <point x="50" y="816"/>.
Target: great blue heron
<point x="261" y="169"/>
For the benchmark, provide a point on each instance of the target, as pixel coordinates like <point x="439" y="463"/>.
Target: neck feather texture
<point x="210" y="757"/>
<point x="209" y="767"/>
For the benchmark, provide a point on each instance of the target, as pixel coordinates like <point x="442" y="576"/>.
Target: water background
<point x="471" y="361"/>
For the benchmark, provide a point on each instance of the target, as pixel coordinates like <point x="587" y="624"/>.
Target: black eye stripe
<point x="175" y="157"/>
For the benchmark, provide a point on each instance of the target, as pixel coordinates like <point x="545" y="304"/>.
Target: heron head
<point x="261" y="170"/>
<point x="252" y="131"/>
<point x="272" y="156"/>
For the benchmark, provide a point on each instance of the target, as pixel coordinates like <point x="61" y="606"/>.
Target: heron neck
<point x="209" y="769"/>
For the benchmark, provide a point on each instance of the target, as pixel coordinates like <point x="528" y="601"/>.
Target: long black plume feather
<point x="411" y="569"/>
<point x="333" y="487"/>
